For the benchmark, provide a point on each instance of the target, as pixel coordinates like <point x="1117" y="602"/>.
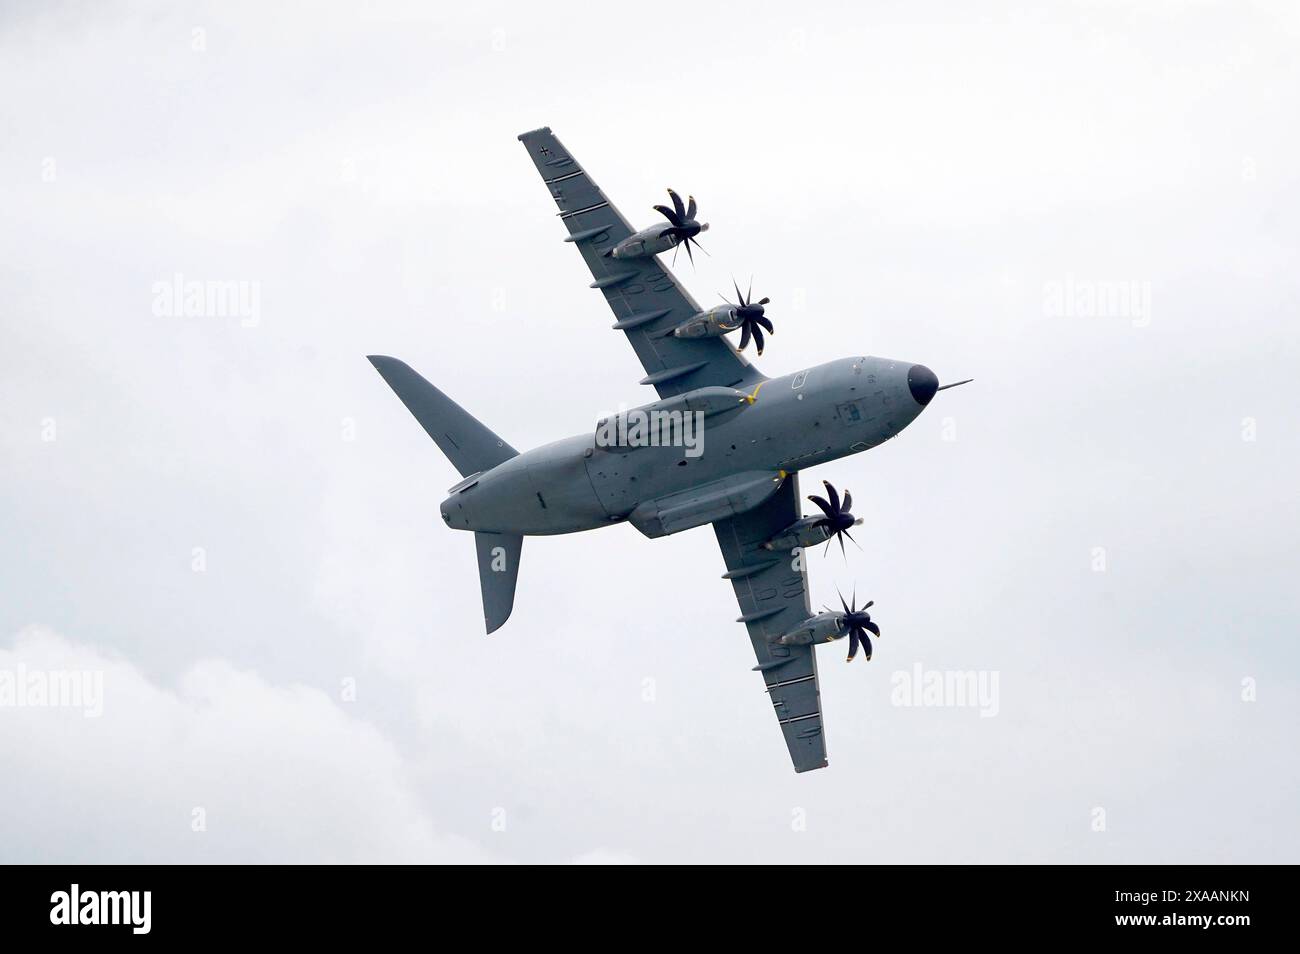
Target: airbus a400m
<point x="743" y="479"/>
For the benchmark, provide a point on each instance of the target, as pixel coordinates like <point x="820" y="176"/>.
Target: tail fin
<point x="470" y="446"/>
<point x="498" y="569"/>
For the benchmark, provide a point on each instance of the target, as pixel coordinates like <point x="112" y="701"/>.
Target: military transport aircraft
<point x="723" y="445"/>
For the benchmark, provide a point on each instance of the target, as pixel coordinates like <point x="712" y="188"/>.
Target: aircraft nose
<point x="922" y="383"/>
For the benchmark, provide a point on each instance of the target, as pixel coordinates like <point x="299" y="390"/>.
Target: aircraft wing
<point x="773" y="599"/>
<point x="642" y="292"/>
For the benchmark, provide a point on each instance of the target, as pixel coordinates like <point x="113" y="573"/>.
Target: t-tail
<point x="472" y="449"/>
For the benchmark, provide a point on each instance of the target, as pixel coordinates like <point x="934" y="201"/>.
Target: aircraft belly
<point x="707" y="503"/>
<point x="620" y="478"/>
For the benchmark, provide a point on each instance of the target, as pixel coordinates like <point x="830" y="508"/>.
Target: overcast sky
<point x="236" y="523"/>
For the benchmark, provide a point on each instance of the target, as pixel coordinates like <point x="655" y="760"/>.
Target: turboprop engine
<point x="821" y="628"/>
<point x="810" y="531"/>
<point x="649" y="241"/>
<point x="804" y="533"/>
<point x="681" y="230"/>
<point x="854" y="623"/>
<point x="717" y="321"/>
<point x="747" y="315"/>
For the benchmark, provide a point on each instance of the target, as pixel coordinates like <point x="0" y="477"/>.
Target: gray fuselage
<point x="793" y="422"/>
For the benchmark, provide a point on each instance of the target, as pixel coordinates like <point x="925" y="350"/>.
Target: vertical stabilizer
<point x="498" y="569"/>
<point x="469" y="445"/>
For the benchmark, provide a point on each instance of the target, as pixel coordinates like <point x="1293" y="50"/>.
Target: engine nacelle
<point x="647" y="242"/>
<point x="717" y="321"/>
<point x="805" y="532"/>
<point x="821" y="628"/>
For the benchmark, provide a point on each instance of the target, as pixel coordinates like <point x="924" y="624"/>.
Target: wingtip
<point x="811" y="768"/>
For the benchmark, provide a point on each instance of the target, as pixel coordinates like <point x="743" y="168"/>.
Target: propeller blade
<point x="765" y="301"/>
<point x="866" y="645"/>
<point x="853" y="644"/>
<point x="687" y="243"/>
<point x="739" y="297"/>
<point x="668" y="214"/>
<point x="848" y="501"/>
<point x="765" y="323"/>
<point x="850" y="536"/>
<point x="825" y="507"/>
<point x="758" y="339"/>
<point x="834" y="495"/>
<point x="840" y="536"/>
<point x="872" y="626"/>
<point x="690" y="208"/>
<point x="744" y="335"/>
<point x="677" y="204"/>
<point x="844" y="604"/>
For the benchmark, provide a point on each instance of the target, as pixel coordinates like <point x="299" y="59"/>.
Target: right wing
<point x="773" y="598"/>
<point x="643" y="294"/>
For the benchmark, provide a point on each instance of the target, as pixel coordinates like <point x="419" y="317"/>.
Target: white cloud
<point x="280" y="773"/>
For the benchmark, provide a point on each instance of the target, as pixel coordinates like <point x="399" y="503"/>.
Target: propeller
<point x="750" y="315"/>
<point x="858" y="623"/>
<point x="837" y="519"/>
<point x="684" y="226"/>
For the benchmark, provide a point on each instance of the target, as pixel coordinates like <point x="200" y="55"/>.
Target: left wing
<point x="642" y="292"/>
<point x="773" y="599"/>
